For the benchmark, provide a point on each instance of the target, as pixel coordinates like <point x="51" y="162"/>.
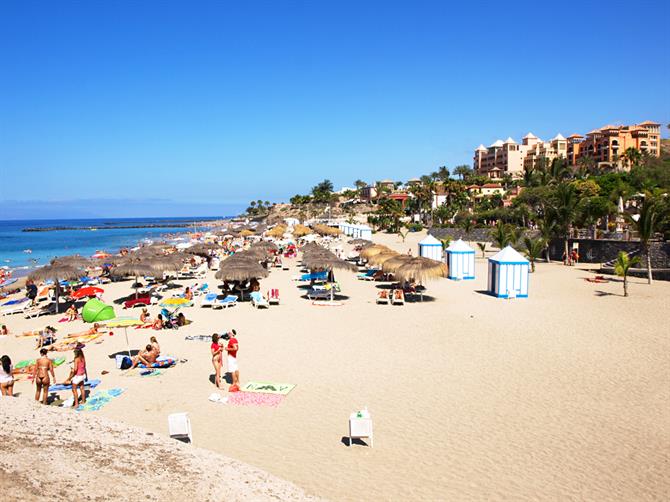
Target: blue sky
<point x="213" y="104"/>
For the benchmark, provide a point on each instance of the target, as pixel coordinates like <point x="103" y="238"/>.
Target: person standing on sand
<point x="77" y="377"/>
<point x="43" y="367"/>
<point x="6" y="377"/>
<point x="216" y="350"/>
<point x="233" y="369"/>
<point x="155" y="346"/>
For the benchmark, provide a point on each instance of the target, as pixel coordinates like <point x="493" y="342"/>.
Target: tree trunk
<point x="649" y="272"/>
<point x="565" y="251"/>
<point x="625" y="285"/>
<point x="532" y="266"/>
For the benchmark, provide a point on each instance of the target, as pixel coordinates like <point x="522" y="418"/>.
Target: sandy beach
<point x="561" y="396"/>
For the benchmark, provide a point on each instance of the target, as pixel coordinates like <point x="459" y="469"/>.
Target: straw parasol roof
<point x="246" y="233"/>
<point x="421" y="269"/>
<point x="301" y="230"/>
<point x="327" y="260"/>
<point x="379" y="259"/>
<point x="240" y="269"/>
<point x="56" y="272"/>
<point x="359" y="242"/>
<point x="326" y="230"/>
<point x="394" y="263"/>
<point x="74" y="260"/>
<point x="277" y="231"/>
<point x="202" y="249"/>
<point x="373" y="250"/>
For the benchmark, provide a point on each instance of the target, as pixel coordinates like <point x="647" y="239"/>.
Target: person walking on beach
<point x="233" y="369"/>
<point x="78" y="377"/>
<point x="216" y="350"/>
<point x="43" y="367"/>
<point x="6" y="377"/>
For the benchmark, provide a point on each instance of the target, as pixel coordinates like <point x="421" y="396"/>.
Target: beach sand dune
<point x="50" y="454"/>
<point x="561" y="396"/>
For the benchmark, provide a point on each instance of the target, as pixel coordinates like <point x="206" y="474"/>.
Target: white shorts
<point x="232" y="364"/>
<point x="78" y="379"/>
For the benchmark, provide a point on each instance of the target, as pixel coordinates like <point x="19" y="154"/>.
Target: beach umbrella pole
<point x="125" y="330"/>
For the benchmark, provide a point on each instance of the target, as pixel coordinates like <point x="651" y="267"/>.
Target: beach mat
<point x="99" y="399"/>
<point x="254" y="399"/>
<point x="89" y="384"/>
<point x="268" y="388"/>
<point x="199" y="338"/>
<point x="161" y="362"/>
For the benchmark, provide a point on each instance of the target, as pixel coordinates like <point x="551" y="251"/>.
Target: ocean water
<point x="110" y="238"/>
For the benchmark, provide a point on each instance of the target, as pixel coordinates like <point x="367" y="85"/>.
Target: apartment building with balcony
<point x="607" y="145"/>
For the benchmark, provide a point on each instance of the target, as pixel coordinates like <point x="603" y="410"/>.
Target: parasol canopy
<point x="175" y="302"/>
<point x="373" y="250"/>
<point x="381" y="258"/>
<point x="124" y="322"/>
<point x="421" y="269"/>
<point x="240" y="269"/>
<point x="87" y="291"/>
<point x="394" y="263"/>
<point x="56" y="272"/>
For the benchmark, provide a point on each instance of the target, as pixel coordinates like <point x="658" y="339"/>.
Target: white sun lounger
<point x="228" y="301"/>
<point x="258" y="301"/>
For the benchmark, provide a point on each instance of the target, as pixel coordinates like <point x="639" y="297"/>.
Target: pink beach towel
<point x="254" y="399"/>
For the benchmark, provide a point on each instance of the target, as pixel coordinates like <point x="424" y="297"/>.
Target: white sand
<point x="563" y="396"/>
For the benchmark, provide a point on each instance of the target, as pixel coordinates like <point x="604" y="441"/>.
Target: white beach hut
<point x="461" y="260"/>
<point x="431" y="248"/>
<point x="508" y="274"/>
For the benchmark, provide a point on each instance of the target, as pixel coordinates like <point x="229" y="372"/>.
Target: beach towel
<point x="161" y="362"/>
<point x="27" y="365"/>
<point x="254" y="399"/>
<point x="100" y="399"/>
<point x="268" y="388"/>
<point x="89" y="384"/>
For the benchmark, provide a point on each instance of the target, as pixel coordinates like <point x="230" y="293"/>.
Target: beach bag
<point x="126" y="363"/>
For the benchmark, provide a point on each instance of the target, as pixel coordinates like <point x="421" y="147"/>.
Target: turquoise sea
<point x="43" y="246"/>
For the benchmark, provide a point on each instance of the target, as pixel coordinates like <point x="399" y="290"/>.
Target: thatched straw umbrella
<point x="326" y="230"/>
<point x="373" y="250"/>
<point x="327" y="261"/>
<point x="421" y="269"/>
<point x="277" y="231"/>
<point x="360" y="242"/>
<point x="242" y="268"/>
<point x="301" y="230"/>
<point x="392" y="264"/>
<point x="246" y="233"/>
<point x="203" y="249"/>
<point x="74" y="260"/>
<point x="379" y="259"/>
<point x="56" y="272"/>
<point x="137" y="265"/>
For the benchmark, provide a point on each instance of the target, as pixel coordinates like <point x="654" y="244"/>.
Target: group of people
<point x="43" y="373"/>
<point x="149" y="355"/>
<point x="218" y="347"/>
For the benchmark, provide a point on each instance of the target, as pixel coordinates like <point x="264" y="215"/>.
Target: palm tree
<point x="547" y="229"/>
<point x="563" y="212"/>
<point x="534" y="249"/>
<point x="632" y="156"/>
<point x="646" y="226"/>
<point x="482" y="248"/>
<point x="467" y="224"/>
<point x="501" y="235"/>
<point x="463" y="171"/>
<point x="622" y="266"/>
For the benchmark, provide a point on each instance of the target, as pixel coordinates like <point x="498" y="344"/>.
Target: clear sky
<point x="213" y="104"/>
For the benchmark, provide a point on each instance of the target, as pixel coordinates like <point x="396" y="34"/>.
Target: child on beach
<point x="71" y="313"/>
<point x="144" y="316"/>
<point x="43" y="366"/>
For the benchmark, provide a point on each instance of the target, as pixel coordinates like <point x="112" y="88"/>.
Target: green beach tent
<point x="96" y="311"/>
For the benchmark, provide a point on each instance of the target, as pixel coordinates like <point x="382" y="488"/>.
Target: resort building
<point x="605" y="146"/>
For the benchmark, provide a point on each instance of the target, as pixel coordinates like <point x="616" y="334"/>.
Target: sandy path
<point x="565" y="395"/>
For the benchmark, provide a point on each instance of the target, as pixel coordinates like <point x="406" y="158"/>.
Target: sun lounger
<point x="42" y="310"/>
<point x="316" y="276"/>
<point x="398" y="297"/>
<point x="367" y="276"/>
<point x="134" y="302"/>
<point x="319" y="294"/>
<point x="15" y="307"/>
<point x="228" y="301"/>
<point x="202" y="290"/>
<point x="258" y="301"/>
<point x="383" y="297"/>
<point x="273" y="297"/>
<point x="208" y="300"/>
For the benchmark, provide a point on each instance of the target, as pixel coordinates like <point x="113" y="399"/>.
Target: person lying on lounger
<point x="147" y="357"/>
